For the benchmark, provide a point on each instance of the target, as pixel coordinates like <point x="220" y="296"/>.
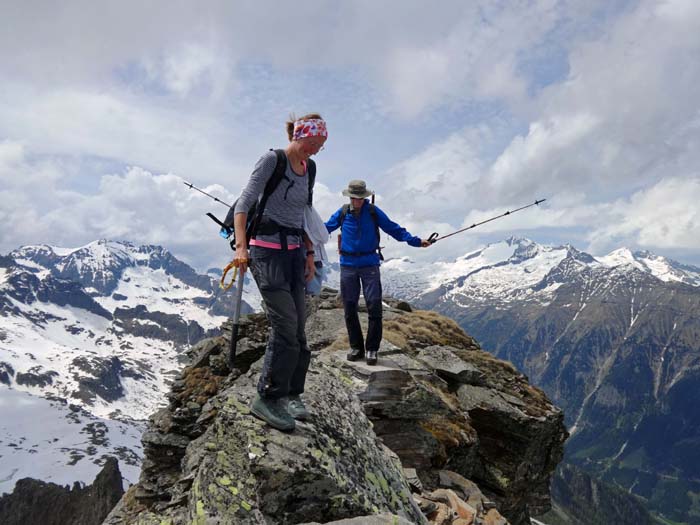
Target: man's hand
<point x="310" y="267"/>
<point x="425" y="243"/>
<point x="241" y="259"/>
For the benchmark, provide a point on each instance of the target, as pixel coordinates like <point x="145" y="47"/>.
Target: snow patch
<point x="47" y="440"/>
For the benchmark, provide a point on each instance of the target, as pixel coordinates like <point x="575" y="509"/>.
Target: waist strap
<point x="270" y="227"/>
<point x="273" y="245"/>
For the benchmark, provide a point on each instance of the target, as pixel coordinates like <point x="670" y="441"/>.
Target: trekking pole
<point x="193" y="187"/>
<point x="236" y="317"/>
<point x="225" y="231"/>
<point x="435" y="238"/>
<point x="238" y="297"/>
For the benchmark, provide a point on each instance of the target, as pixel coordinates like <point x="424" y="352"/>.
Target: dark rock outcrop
<point x="100" y="377"/>
<point x="28" y="288"/>
<point x="36" y="378"/>
<point x="36" y="502"/>
<point x="139" y="321"/>
<point x="6" y="261"/>
<point x="208" y="460"/>
<point x="7" y="372"/>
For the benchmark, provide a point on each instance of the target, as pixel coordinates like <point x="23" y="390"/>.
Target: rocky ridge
<point x="35" y="502"/>
<point x="438" y="432"/>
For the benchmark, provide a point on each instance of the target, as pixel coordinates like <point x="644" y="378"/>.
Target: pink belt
<point x="273" y="245"/>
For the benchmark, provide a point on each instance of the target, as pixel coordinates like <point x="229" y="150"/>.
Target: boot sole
<point x="282" y="427"/>
<point x="355" y="358"/>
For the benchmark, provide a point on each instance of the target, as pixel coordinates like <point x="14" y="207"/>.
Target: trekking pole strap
<point x="233" y="264"/>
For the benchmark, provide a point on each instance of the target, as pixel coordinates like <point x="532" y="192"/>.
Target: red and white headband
<point x="312" y="127"/>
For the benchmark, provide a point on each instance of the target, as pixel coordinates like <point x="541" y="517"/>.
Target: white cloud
<point x="418" y="55"/>
<point x="585" y="103"/>
<point x="192" y="67"/>
<point x="132" y="129"/>
<point x="436" y="183"/>
<point x="661" y="217"/>
<point x="624" y="121"/>
<point x="136" y="206"/>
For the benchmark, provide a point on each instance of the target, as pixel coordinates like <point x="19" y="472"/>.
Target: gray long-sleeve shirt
<point x="285" y="205"/>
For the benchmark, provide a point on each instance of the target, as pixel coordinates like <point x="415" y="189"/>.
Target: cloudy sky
<point x="452" y="111"/>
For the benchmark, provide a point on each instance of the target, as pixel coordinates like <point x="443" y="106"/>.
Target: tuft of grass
<point x="200" y="385"/>
<point x="427" y="328"/>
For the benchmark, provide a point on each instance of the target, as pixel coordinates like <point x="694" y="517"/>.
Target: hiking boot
<point x="371" y="357"/>
<point x="296" y="408"/>
<point x="273" y="412"/>
<point x="356" y="354"/>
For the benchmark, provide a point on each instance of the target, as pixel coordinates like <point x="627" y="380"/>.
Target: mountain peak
<point x="618" y="257"/>
<point x="99" y="265"/>
<point x="660" y="267"/>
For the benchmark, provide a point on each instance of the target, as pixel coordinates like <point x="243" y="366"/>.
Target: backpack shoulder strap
<point x="373" y="213"/>
<point x="278" y="174"/>
<point x="311" y="170"/>
<point x="343" y="213"/>
<point x="375" y="218"/>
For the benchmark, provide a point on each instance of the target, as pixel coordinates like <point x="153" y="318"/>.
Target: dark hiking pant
<point x="280" y="278"/>
<point x="351" y="280"/>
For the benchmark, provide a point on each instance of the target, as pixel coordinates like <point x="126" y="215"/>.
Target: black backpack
<point x="373" y="213"/>
<point x="255" y="212"/>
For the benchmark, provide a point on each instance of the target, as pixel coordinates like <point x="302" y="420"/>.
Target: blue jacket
<point x="361" y="236"/>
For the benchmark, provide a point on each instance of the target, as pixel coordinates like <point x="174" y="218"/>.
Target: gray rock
<point x="205" y="349"/>
<point x="450" y="367"/>
<point x="35" y="502"/>
<point x="413" y="480"/>
<point x="381" y="519"/>
<point x="207" y="460"/>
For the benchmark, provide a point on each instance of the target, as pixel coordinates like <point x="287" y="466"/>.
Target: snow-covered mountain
<point x="613" y="340"/>
<point x="515" y="270"/>
<point x="90" y="339"/>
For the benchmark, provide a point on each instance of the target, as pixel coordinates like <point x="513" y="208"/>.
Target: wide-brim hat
<point x="357" y="189"/>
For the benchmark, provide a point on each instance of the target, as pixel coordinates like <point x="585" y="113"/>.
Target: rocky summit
<point x="438" y="432"/>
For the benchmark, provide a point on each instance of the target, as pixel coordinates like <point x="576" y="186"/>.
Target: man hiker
<point x="360" y="256"/>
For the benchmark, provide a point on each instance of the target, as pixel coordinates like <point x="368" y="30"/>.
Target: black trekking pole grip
<point x="433" y="238"/>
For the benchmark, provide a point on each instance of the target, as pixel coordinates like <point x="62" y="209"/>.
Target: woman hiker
<point x="359" y="224"/>
<point x="281" y="259"/>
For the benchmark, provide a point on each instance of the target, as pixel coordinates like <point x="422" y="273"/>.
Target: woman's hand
<point x="425" y="243"/>
<point x="241" y="259"/>
<point x="310" y="267"/>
